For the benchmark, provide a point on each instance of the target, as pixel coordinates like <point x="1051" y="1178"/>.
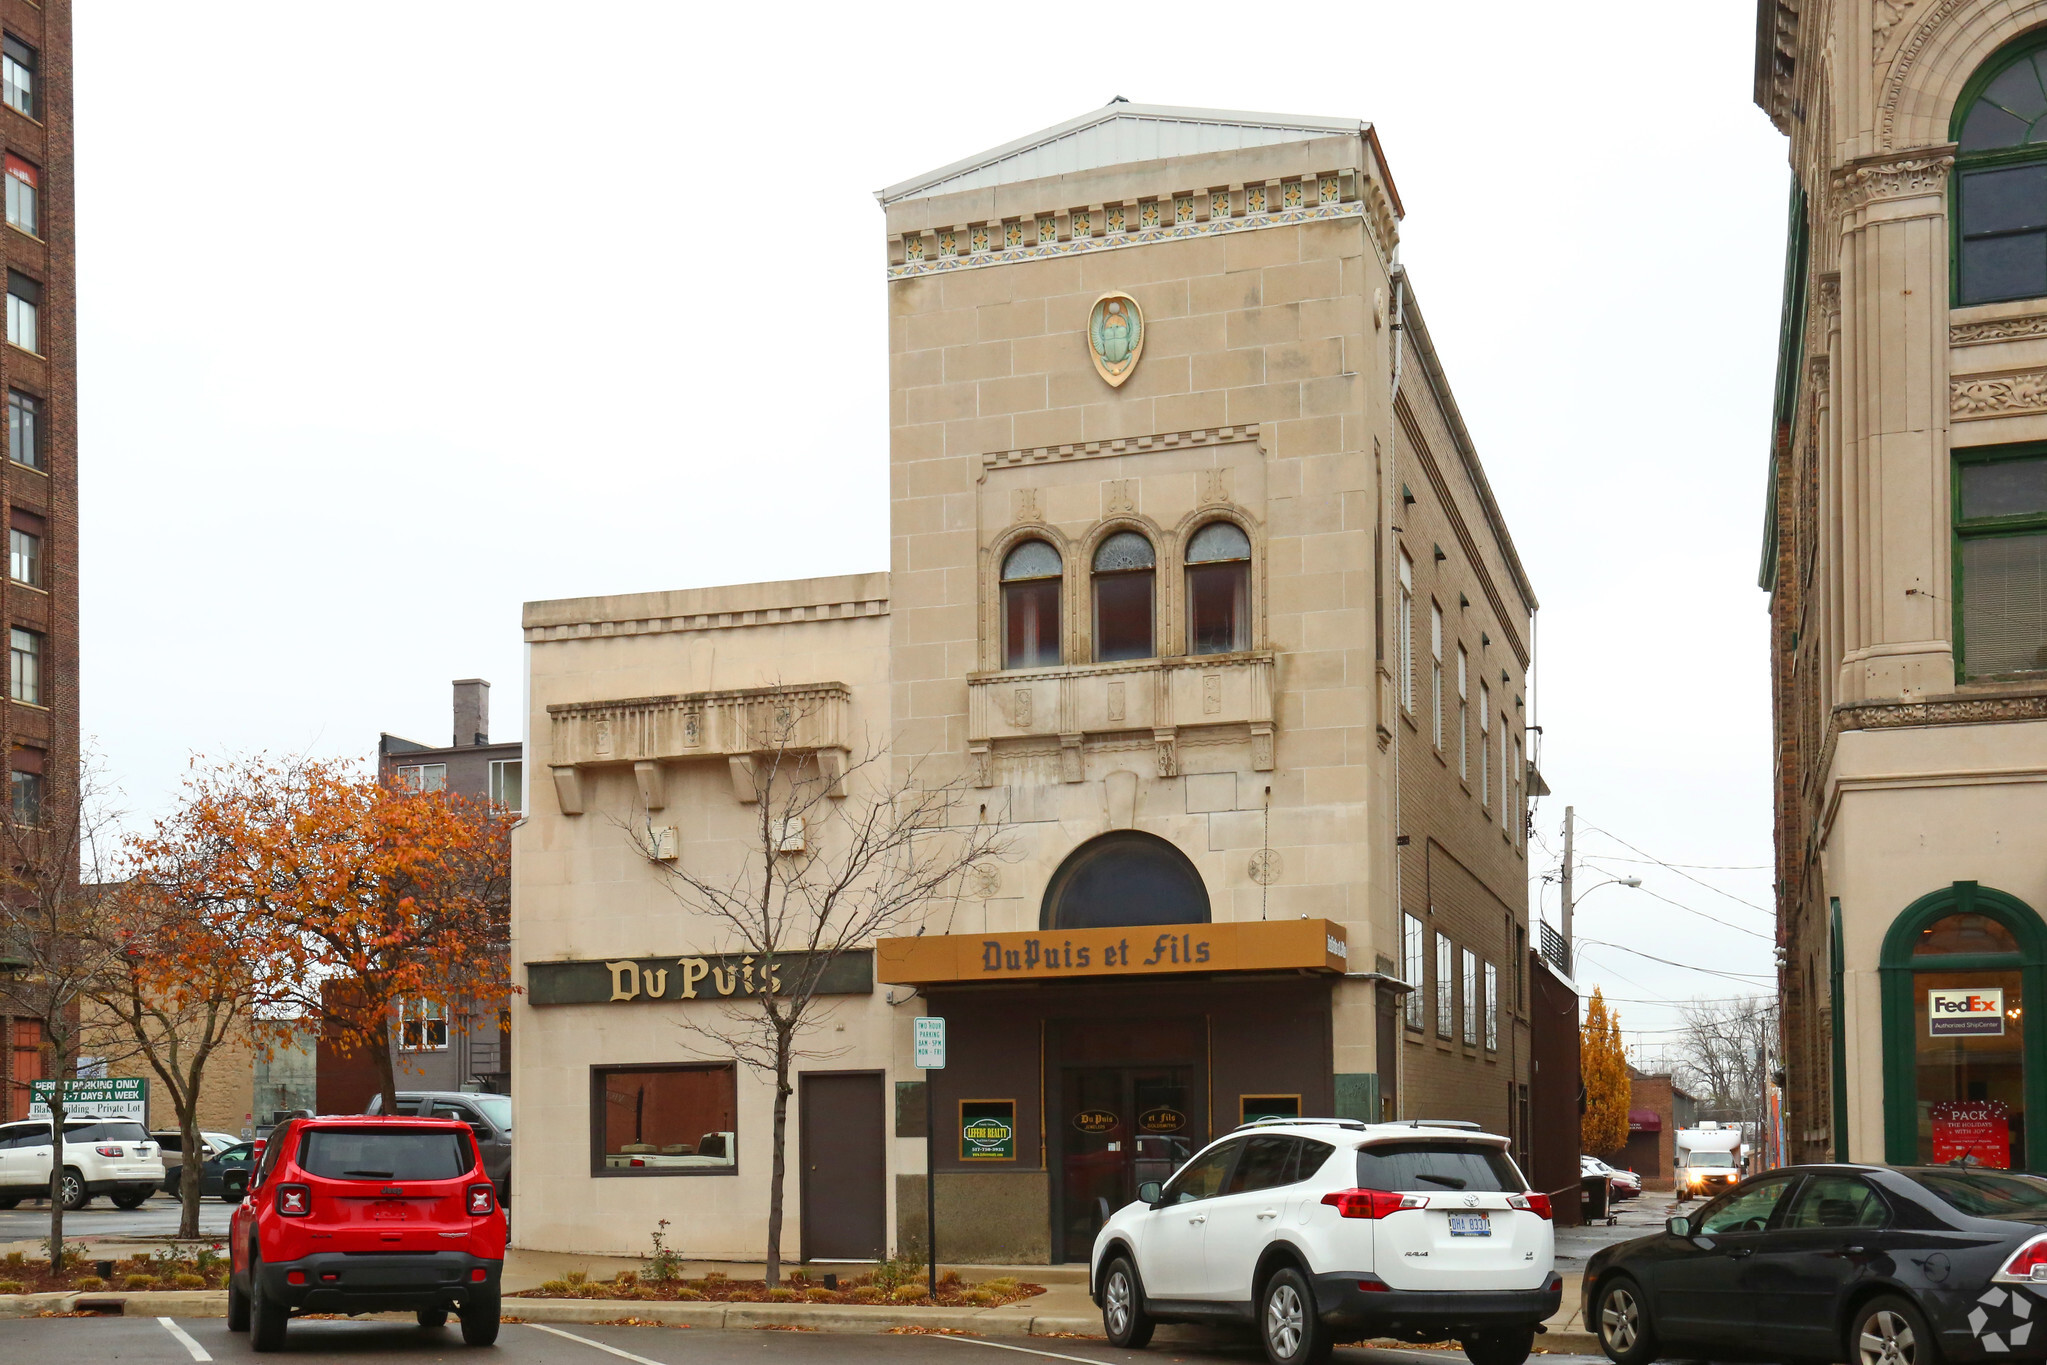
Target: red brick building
<point x="1657" y="1108"/>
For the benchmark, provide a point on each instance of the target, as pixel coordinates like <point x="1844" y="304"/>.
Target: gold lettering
<point x="774" y="975"/>
<point x="657" y="981"/>
<point x="625" y="980"/>
<point x="724" y="978"/>
<point x="746" y="968"/>
<point x="694" y="969"/>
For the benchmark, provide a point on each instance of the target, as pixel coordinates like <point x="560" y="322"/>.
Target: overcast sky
<point x="385" y="333"/>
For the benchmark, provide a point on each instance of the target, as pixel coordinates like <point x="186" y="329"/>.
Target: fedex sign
<point x="1964" y="1010"/>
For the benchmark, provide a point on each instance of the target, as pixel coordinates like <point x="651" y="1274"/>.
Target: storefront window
<point x="1970" y="1054"/>
<point x="663" y="1120"/>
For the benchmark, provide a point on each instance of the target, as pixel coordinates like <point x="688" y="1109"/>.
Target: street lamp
<point x="1569" y="952"/>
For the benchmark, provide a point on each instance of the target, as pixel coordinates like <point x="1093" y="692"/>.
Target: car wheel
<point x="432" y="1317"/>
<point x="131" y="1201"/>
<point x="267" y="1317"/>
<point x="71" y="1188"/>
<point x="1890" y="1331"/>
<point x="1287" y="1324"/>
<point x="231" y="1191"/>
<point x="1500" y="1345"/>
<point x="480" y="1317"/>
<point x="1123" y="1317"/>
<point x="237" y="1306"/>
<point x="1621" y="1317"/>
<point x="9" y="1203"/>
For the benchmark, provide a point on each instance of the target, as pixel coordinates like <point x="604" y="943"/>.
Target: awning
<point x="1644" y="1121"/>
<point x="1305" y="945"/>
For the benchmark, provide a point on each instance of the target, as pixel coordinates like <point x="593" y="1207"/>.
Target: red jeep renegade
<point x="367" y="1215"/>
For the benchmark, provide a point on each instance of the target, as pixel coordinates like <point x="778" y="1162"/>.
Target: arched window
<point x="1030" y="606"/>
<point x="2001" y="178"/>
<point x="1218" y="589"/>
<point x="1124" y="878"/>
<point x="1124" y="566"/>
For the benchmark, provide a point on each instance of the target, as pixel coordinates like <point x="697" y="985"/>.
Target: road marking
<point x="1004" y="1346"/>
<point x="198" y="1351"/>
<point x="613" y="1350"/>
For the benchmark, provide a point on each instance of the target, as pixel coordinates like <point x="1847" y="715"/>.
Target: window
<point x="1416" y="1166"/>
<point x="1218" y="589"/>
<point x="25" y="549"/>
<point x="2000" y="562"/>
<point x="24" y="433"/>
<point x="1492" y="1008"/>
<point x="1463" y="715"/>
<point x="27" y="648"/>
<point x="21" y="194"/>
<point x="1520" y="770"/>
<point x="2000" y="179"/>
<point x="1485" y="736"/>
<point x="1124" y="566"/>
<point x="508" y="784"/>
<point x="423" y="777"/>
<point x="1436" y="666"/>
<point x="664" y="1120"/>
<point x="18" y="76"/>
<point x="24" y="296"/>
<point x="1202" y="1178"/>
<point x="1446" y="1011"/>
<point x="1748" y="1210"/>
<point x="1506" y="774"/>
<point x="422" y="1026"/>
<point x="383" y="1153"/>
<point x="25" y="781"/>
<point x="1406" y="682"/>
<point x="1411" y="953"/>
<point x="1837" y="1201"/>
<point x="1030" y="606"/>
<point x="1470" y="997"/>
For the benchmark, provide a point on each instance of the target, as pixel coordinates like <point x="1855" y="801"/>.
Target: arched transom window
<point x="1030" y="606"/>
<point x="1218" y="589"/>
<point x="1124" y="569"/>
<point x="2001" y="178"/>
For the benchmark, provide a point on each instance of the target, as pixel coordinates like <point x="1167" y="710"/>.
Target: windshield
<point x="1419" y="1166"/>
<point x="1985" y="1194"/>
<point x="496" y="1108"/>
<point x="1718" y="1159"/>
<point x="385" y="1154"/>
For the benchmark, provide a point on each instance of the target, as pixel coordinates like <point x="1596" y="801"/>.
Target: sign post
<point x="930" y="1047"/>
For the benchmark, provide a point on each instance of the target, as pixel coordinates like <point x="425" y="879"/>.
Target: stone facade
<point x="1297" y="771"/>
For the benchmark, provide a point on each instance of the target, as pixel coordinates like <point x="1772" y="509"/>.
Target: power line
<point x="1636" y="952"/>
<point x="1674" y="867"/>
<point x="1729" y="924"/>
<point x="1700" y="867"/>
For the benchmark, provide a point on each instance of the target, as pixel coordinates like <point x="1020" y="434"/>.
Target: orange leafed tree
<point x="1604" y="1128"/>
<point x="344" y="896"/>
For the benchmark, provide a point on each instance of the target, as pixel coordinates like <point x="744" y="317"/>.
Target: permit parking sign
<point x="1965" y="1011"/>
<point x="117" y="1098"/>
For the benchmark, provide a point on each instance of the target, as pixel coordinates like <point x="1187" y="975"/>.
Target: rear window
<point x="106" y="1130"/>
<point x="1417" y="1167"/>
<point x="1986" y="1194"/>
<point x="384" y="1154"/>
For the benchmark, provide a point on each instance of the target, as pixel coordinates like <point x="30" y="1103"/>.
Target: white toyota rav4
<point x="1326" y="1230"/>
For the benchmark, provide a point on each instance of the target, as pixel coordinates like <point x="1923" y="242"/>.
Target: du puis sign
<point x="1309" y="945"/>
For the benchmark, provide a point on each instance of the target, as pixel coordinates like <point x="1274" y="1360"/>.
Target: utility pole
<point x="1570" y="963"/>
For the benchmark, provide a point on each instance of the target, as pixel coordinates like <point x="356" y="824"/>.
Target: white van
<point x="101" y="1156"/>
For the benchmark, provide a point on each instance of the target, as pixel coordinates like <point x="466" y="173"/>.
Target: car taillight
<point x="294" y="1201"/>
<point x="482" y="1199"/>
<point x="109" y="1151"/>
<point x="1537" y="1204"/>
<point x="636" y="1162"/>
<point x="1372" y="1203"/>
<point x="2030" y="1263"/>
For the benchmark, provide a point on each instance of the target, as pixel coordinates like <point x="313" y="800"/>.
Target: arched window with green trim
<point x="2000" y="177"/>
<point x="1958" y="969"/>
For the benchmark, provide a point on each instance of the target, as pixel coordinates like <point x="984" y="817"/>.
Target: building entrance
<point x="1131" y="1105"/>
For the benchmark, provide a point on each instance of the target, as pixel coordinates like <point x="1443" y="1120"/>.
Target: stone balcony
<point x="1161" y="697"/>
<point x="648" y="732"/>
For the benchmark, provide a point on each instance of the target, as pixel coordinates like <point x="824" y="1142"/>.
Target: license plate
<point x="1471" y="1225"/>
<point x="393" y="1211"/>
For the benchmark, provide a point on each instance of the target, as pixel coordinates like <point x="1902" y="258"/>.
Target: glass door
<point x="1119" y="1127"/>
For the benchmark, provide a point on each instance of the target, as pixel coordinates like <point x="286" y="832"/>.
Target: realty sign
<point x="1965" y="1010"/>
<point x="118" y="1098"/>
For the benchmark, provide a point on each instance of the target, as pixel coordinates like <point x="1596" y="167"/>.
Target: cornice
<point x="1126" y="445"/>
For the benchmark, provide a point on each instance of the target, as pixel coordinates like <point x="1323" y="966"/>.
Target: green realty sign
<point x="113" y="1098"/>
<point x="988" y="1130"/>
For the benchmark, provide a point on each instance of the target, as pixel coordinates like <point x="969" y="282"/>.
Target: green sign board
<point x="114" y="1098"/>
<point x="987" y="1130"/>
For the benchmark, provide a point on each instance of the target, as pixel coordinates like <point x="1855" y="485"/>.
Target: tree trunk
<point x="387" y="1071"/>
<point x="781" y="1162"/>
<point x="189" y="1173"/>
<point x="57" y="1177"/>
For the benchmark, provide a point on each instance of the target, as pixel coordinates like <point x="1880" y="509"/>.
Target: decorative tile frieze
<point x="1380" y="224"/>
<point x="1127" y="445"/>
<point x="1972" y="397"/>
<point x="1997" y="329"/>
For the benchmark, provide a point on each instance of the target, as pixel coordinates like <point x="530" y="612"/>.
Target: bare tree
<point x="54" y="930"/>
<point x="840" y="854"/>
<point x="1725" y="1054"/>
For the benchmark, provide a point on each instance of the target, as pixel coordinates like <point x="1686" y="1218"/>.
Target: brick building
<point x="1657" y="1108"/>
<point x="39" y="477"/>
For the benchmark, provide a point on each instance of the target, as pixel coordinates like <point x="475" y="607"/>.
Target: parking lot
<point x="100" y="1219"/>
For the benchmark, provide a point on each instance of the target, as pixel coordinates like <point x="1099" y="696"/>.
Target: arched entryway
<point x="1125" y="878"/>
<point x="1960" y="967"/>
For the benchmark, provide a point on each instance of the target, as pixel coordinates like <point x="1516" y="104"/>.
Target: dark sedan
<point x="1869" y="1264"/>
<point x="226" y="1174"/>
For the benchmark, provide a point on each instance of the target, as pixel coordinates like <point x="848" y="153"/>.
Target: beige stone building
<point x="1906" y="555"/>
<point x="1197" y="586"/>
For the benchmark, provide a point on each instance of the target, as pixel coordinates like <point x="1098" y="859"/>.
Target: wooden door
<point x="843" y="1152"/>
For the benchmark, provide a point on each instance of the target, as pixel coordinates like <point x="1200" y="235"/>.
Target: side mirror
<point x="1679" y="1227"/>
<point x="1151" y="1192"/>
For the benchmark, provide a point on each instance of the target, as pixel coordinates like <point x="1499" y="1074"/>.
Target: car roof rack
<point x="1300" y="1122"/>
<point x="1466" y="1124"/>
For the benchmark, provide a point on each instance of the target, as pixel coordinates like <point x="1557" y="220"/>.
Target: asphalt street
<point x="152" y="1341"/>
<point x="157" y="1218"/>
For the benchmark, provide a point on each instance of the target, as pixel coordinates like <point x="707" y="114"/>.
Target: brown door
<point x="843" y="1152"/>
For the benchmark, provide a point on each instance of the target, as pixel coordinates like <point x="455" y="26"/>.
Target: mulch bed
<point x="870" y="1289"/>
<point x="23" y="1274"/>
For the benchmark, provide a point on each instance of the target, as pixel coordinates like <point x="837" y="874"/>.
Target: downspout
<point x="1393" y="516"/>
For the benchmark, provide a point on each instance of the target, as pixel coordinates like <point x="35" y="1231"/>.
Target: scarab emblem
<point x="1115" y="337"/>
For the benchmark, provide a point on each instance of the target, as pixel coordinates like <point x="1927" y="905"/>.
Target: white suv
<point x="1326" y="1230"/>
<point x="101" y="1156"/>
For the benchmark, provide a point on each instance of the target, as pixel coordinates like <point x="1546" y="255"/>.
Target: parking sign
<point x="930" y="1043"/>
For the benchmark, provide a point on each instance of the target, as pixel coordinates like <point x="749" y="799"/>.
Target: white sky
<point x="387" y="330"/>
